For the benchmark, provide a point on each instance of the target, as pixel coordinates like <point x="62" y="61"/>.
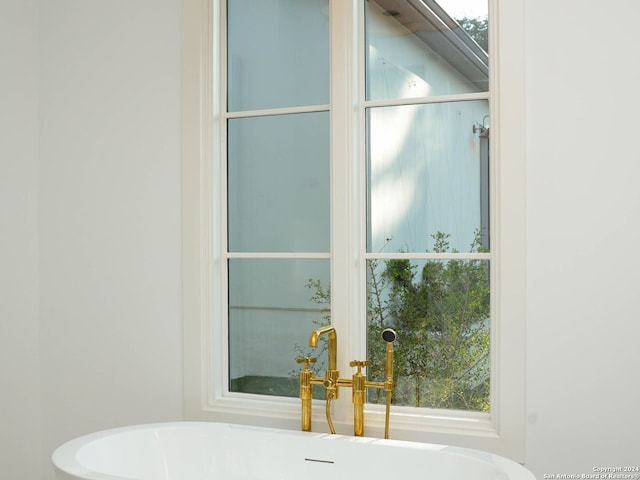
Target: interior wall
<point x="20" y="446"/>
<point x="109" y="215"/>
<point x="98" y="217"/>
<point x="583" y="272"/>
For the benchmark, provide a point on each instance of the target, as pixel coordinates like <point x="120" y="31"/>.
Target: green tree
<point x="478" y="29"/>
<point x="441" y="313"/>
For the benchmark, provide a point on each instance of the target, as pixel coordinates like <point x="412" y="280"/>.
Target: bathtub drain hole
<point x="318" y="460"/>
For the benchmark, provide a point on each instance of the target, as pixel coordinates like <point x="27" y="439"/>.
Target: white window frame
<point x="205" y="351"/>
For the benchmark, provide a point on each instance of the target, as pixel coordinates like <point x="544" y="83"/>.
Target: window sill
<point x="465" y="429"/>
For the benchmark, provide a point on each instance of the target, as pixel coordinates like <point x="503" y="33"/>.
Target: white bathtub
<point x="208" y="451"/>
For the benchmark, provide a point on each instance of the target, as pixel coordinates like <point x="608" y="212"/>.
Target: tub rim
<point x="64" y="456"/>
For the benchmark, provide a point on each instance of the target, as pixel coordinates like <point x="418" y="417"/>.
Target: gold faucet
<point x="333" y="343"/>
<point x="332" y="381"/>
<point x="358" y="396"/>
<point x="332" y="375"/>
<point x="306" y="391"/>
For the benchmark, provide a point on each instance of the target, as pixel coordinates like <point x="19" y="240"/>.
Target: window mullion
<point x="343" y="224"/>
<point x="458" y="97"/>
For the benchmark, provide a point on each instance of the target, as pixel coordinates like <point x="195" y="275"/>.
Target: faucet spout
<point x="332" y="375"/>
<point x="333" y="343"/>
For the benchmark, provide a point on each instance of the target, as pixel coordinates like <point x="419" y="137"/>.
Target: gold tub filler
<point x="332" y="381"/>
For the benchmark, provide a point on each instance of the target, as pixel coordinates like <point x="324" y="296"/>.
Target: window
<point x="278" y="185"/>
<point x="329" y="172"/>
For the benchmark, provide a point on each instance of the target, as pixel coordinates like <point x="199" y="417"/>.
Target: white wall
<point x="583" y="328"/>
<point x="103" y="220"/>
<point x="20" y="444"/>
<point x="90" y="277"/>
<point x="109" y="216"/>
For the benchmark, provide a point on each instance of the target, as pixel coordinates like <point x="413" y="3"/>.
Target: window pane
<point x="440" y="310"/>
<point x="418" y="49"/>
<point x="426" y="175"/>
<point x="278" y="53"/>
<point x="273" y="308"/>
<point x="278" y="183"/>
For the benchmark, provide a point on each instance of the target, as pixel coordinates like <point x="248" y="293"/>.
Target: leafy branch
<point x="440" y="311"/>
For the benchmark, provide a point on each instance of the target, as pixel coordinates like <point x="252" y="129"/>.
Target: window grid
<point x="205" y="350"/>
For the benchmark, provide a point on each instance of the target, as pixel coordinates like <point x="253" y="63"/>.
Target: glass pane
<point x="440" y="311"/>
<point x="278" y="183"/>
<point x="419" y="49"/>
<point x="278" y="53"/>
<point x="274" y="305"/>
<point x="427" y="175"/>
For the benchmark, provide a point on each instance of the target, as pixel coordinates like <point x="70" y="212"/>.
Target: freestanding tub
<point x="208" y="451"/>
